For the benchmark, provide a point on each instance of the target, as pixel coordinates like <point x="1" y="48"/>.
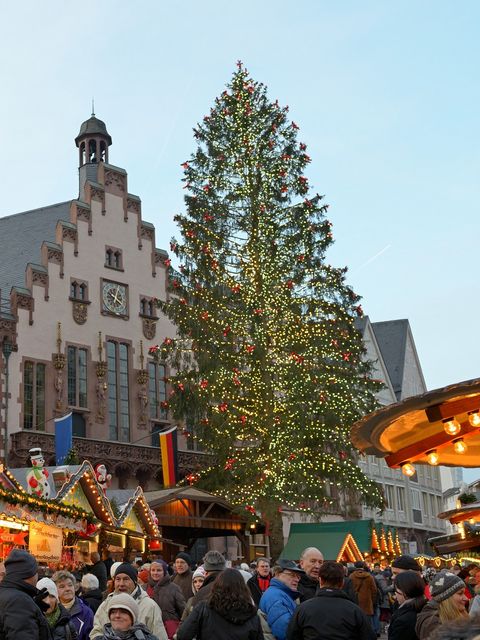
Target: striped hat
<point x="444" y="585"/>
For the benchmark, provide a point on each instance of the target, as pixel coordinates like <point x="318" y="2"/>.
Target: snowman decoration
<point x="37" y="477"/>
<point x="103" y="478"/>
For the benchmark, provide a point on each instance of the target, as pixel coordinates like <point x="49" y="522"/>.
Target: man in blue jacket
<point x="279" y="601"/>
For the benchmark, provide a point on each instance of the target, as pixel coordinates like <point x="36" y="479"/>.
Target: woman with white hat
<point x="58" y="618"/>
<point x="122" y="615"/>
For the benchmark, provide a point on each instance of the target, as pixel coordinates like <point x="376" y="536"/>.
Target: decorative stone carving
<point x="159" y="257"/>
<point x="58" y="384"/>
<point x="101" y="369"/>
<point x="24" y="301"/>
<point x="55" y="256"/>
<point x="112" y="178"/>
<point x="149" y="328"/>
<point x="80" y="312"/>
<point x="101" y="390"/>
<point x="59" y="361"/>
<point x="146" y="233"/>
<point x="97" y="194"/>
<point x="69" y="234"/>
<point x="143" y="406"/>
<point x="83" y="214"/>
<point x="38" y="277"/>
<point x="133" y="205"/>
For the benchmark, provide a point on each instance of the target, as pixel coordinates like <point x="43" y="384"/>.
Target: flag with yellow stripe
<point x="168" y="448"/>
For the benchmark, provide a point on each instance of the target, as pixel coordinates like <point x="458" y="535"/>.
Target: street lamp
<point x="7" y="348"/>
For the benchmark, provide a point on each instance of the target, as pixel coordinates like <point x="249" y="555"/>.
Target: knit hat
<point x="143" y="575"/>
<point x="123" y="601"/>
<point x="184" y="556"/>
<point x="20" y="564"/>
<point x="444" y="585"/>
<point x="407" y="563"/>
<point x="113" y="568"/>
<point x="128" y="569"/>
<point x="49" y="585"/>
<point x="213" y="561"/>
<point x="199" y="573"/>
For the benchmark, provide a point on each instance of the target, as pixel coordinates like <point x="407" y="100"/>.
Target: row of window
<point x="79" y="292"/>
<point x="117" y="396"/>
<point x="423" y="503"/>
<point x="424" y="475"/>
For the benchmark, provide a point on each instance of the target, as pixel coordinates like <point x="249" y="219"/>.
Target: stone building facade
<point x="78" y="281"/>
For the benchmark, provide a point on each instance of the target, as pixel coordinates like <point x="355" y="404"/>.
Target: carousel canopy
<point x="438" y="427"/>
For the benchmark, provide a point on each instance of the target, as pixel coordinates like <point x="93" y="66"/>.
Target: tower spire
<point x="93" y="107"/>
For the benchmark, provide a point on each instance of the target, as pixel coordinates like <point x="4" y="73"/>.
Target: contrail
<point x="377" y="255"/>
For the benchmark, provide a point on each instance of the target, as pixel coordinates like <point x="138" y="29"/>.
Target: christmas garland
<point x="51" y="507"/>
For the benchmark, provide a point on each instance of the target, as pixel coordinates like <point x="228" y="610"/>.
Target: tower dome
<point x="93" y="141"/>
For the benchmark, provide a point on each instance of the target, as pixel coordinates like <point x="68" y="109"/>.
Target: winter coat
<point x="93" y="598"/>
<point x="205" y="623"/>
<point x="427" y="620"/>
<point x="383" y="590"/>
<point x="254" y="588"/>
<point x="169" y="598"/>
<point x="20" y="616"/>
<point x="474" y="608"/>
<point x="136" y="632"/>
<point x="366" y="589"/>
<point x="64" y="628"/>
<point x="404" y="619"/>
<point x="184" y="581"/>
<point x="149" y="614"/>
<point x="349" y="590"/>
<point x="330" y="615"/>
<point x="100" y="570"/>
<point x="204" y="591"/>
<point x="82" y="618"/>
<point x="307" y="587"/>
<point x="278" y="603"/>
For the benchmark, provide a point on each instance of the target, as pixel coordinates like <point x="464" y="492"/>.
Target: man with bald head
<point x="310" y="561"/>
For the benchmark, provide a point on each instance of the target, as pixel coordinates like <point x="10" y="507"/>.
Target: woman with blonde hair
<point x="448" y="603"/>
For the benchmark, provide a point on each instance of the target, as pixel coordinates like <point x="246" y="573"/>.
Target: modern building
<point x="78" y="282"/>
<point x="412" y="504"/>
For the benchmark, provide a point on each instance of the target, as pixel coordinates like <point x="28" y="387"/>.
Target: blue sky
<point x="386" y="95"/>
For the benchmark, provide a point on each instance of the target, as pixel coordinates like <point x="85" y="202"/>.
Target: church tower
<point x="92" y="141"/>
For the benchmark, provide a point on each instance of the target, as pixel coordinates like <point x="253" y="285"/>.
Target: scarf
<point x="263" y="583"/>
<point x="52" y="618"/>
<point x="69" y="605"/>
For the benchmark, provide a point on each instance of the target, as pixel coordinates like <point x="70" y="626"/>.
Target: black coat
<point x="205" y="624"/>
<point x="307" y="587"/>
<point x="204" y="591"/>
<point x="20" y="616"/>
<point x="404" y="619"/>
<point x="255" y="590"/>
<point x="64" y="628"/>
<point x="330" y="615"/>
<point x="92" y="597"/>
<point x="100" y="570"/>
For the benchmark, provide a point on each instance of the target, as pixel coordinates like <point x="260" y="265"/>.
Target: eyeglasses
<point x="291" y="574"/>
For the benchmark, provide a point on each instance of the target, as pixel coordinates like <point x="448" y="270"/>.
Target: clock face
<point x="114" y="297"/>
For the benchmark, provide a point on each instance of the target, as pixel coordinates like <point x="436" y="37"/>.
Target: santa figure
<point x="103" y="478"/>
<point x="37" y="477"/>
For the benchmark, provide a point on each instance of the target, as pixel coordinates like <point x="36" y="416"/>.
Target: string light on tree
<point x="266" y="346"/>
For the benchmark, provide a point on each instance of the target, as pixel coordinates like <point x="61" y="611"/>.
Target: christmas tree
<point x="270" y="368"/>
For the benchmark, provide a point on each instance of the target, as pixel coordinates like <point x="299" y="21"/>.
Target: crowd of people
<point x="314" y="599"/>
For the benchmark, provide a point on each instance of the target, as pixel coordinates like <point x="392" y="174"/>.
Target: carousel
<point x="440" y="427"/>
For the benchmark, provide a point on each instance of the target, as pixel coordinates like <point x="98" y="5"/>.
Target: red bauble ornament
<point x="223" y="407"/>
<point x="203" y="384"/>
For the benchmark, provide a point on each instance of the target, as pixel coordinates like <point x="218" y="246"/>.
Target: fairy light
<point x="271" y="367"/>
<point x="459" y="446"/>
<point x="408" y="469"/>
<point x="432" y="457"/>
<point x="451" y="426"/>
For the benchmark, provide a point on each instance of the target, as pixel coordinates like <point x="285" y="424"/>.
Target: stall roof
<point x="156" y="498"/>
<point x="330" y="537"/>
<point x="407" y="431"/>
<point x="137" y="507"/>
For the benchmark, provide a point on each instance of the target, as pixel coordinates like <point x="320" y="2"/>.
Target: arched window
<point x="103" y="151"/>
<point x="82" y="154"/>
<point x="117" y="259"/>
<point x="109" y="258"/>
<point x="73" y="289"/>
<point x="143" y="306"/>
<point x="82" y="291"/>
<point x="92" y="151"/>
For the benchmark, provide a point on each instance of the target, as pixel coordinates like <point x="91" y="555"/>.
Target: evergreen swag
<point x="270" y="369"/>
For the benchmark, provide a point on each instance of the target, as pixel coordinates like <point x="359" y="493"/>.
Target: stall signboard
<point x="45" y="542"/>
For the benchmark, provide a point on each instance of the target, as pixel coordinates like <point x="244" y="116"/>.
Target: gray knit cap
<point x="444" y="585"/>
<point x="214" y="561"/>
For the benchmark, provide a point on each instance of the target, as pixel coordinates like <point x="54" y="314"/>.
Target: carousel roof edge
<point x="361" y="431"/>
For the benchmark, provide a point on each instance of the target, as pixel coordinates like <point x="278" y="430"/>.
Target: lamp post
<point x="7" y="348"/>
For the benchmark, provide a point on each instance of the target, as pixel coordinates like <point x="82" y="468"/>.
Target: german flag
<point x="168" y="447"/>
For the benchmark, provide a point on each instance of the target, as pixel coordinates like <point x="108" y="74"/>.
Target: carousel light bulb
<point x="459" y="445"/>
<point x="451" y="426"/>
<point x="474" y="418"/>
<point x="408" y="469"/>
<point x="432" y="457"/>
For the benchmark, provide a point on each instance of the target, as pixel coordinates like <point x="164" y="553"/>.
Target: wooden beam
<point x="208" y="509"/>
<point x="437" y="441"/>
<point x="447" y="410"/>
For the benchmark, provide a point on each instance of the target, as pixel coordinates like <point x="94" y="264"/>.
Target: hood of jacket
<point x="360" y="574"/>
<point x="238" y="616"/>
<point x="326" y="592"/>
<point x="131" y="634"/>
